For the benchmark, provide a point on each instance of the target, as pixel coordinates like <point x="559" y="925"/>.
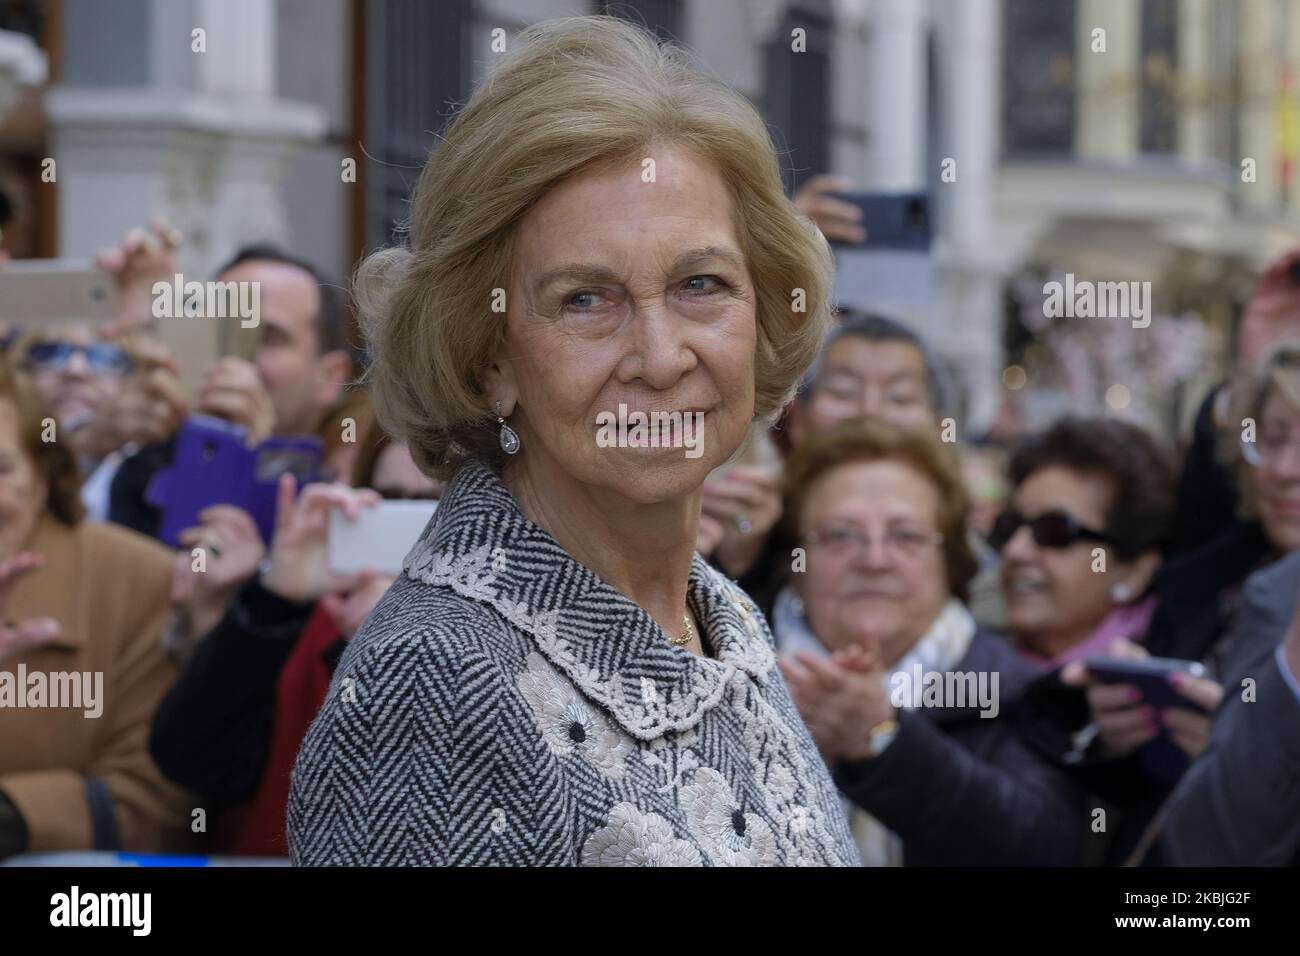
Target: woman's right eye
<point x="583" y="301"/>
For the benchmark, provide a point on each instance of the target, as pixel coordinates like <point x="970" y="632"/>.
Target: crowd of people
<point x="213" y="678"/>
<point x="874" y="548"/>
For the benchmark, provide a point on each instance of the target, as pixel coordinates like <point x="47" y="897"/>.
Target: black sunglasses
<point x="1051" y="529"/>
<point x="103" y="359"/>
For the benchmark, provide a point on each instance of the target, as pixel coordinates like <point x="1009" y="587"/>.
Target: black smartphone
<point x="1150" y="676"/>
<point x="892" y="220"/>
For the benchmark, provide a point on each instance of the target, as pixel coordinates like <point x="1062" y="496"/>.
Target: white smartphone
<point x="379" y="538"/>
<point x="39" y="291"/>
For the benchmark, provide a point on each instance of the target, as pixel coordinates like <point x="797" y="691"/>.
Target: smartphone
<point x="1150" y="676"/>
<point x="1162" y="758"/>
<point x="212" y="464"/>
<point x="208" y="467"/>
<point x="899" y="221"/>
<point x="41" y="291"/>
<point x="379" y="538"/>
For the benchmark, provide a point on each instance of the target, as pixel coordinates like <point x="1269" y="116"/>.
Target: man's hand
<point x="299" y="568"/>
<point x="233" y="390"/>
<point x="838" y="220"/>
<point x="148" y="408"/>
<point x="142" y="257"/>
<point x="19" y="638"/>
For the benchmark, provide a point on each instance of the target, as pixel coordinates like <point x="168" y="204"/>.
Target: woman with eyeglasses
<point x="910" y="702"/>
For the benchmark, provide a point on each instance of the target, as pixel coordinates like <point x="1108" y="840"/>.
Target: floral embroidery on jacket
<point x="570" y="725"/>
<point x="729" y="835"/>
<point x="633" y="838"/>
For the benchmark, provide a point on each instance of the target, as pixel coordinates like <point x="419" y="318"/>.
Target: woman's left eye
<point x="705" y="284"/>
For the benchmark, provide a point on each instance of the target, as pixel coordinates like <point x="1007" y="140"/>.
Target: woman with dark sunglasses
<point x="1080" y="542"/>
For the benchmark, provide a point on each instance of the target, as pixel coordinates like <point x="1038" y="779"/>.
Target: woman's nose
<point x="1019" y="545"/>
<point x="662" y="350"/>
<point x="874" y="554"/>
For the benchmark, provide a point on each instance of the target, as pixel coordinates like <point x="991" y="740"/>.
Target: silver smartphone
<point x="42" y="291"/>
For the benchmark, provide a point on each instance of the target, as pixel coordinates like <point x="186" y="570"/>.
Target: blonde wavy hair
<point x="571" y="94"/>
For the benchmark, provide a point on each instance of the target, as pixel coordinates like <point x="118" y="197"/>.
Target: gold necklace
<point x="688" y="632"/>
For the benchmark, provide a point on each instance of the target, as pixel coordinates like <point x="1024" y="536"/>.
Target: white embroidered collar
<point x="479" y="544"/>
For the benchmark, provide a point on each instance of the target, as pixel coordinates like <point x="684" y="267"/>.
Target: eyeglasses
<point x="103" y="358"/>
<point x="904" y="543"/>
<point x="1051" y="529"/>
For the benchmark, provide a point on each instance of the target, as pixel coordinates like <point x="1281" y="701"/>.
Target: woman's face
<point x="74" y="389"/>
<point x="633" y="293"/>
<point x="23" y="491"/>
<point x="1053" y="596"/>
<point x="396" y="475"/>
<point x="891" y="586"/>
<point x="1277" y="476"/>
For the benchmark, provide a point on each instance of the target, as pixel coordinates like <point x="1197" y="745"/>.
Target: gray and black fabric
<point x="1239" y="803"/>
<point x="502" y="705"/>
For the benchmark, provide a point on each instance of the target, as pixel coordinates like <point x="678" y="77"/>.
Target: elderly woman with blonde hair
<point x="557" y="678"/>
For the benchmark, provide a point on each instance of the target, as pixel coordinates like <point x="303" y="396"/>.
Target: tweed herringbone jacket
<point x="504" y="705"/>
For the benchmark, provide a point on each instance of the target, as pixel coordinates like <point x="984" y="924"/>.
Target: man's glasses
<point x="1051" y="529"/>
<point x="905" y="543"/>
<point x="103" y="358"/>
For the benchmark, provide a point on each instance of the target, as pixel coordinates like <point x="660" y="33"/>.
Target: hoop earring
<point x="509" y="440"/>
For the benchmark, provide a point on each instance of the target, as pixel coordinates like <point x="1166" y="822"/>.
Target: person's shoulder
<point x="103" y="539"/>
<point x="420" y="632"/>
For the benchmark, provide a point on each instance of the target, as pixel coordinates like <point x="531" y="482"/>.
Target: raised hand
<point x="299" y="564"/>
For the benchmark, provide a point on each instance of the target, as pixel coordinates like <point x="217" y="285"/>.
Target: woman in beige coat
<point x="82" y="606"/>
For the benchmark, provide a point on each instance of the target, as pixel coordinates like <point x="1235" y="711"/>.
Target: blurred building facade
<point x="1117" y="160"/>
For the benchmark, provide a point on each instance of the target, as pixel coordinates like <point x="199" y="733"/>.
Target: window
<point x="1038" y="77"/>
<point x="417" y="69"/>
<point x="797" y="91"/>
<point x="1158" y="125"/>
